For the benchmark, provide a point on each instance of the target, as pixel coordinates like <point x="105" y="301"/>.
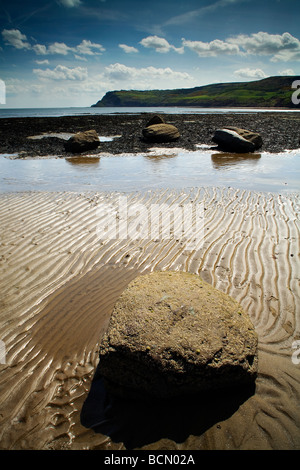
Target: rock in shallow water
<point x="172" y="334"/>
<point x="82" y="142"/>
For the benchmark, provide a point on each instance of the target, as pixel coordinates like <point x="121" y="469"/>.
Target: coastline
<point x="280" y="131"/>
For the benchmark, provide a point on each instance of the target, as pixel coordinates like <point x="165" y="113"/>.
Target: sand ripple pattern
<point x="59" y="282"/>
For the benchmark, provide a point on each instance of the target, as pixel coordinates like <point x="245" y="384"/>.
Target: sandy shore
<point x="279" y="131"/>
<point x="59" y="284"/>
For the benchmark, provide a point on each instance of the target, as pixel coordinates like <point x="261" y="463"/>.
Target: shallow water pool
<point x="159" y="168"/>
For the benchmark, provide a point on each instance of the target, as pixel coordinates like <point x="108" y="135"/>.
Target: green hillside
<point x="267" y="93"/>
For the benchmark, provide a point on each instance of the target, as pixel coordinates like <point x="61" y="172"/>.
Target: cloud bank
<point x="14" y="38"/>
<point x="62" y="72"/>
<point x="280" y="47"/>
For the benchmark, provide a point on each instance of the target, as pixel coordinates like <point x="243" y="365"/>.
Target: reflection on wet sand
<point x="158" y="158"/>
<point x="226" y="160"/>
<point x="80" y="160"/>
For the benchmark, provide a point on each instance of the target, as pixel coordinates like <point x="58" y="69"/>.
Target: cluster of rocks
<point x="229" y="139"/>
<point x="279" y="131"/>
<point x="172" y="334"/>
<point x="155" y="131"/>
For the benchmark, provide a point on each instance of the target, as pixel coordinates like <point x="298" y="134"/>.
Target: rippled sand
<point x="60" y="282"/>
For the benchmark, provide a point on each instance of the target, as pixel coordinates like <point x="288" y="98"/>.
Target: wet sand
<point x="60" y="282"/>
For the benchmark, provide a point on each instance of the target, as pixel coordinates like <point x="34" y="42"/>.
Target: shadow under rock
<point x="136" y="423"/>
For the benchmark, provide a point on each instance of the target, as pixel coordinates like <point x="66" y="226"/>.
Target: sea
<point x="56" y="112"/>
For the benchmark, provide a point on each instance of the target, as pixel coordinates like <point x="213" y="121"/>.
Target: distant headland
<point x="272" y="92"/>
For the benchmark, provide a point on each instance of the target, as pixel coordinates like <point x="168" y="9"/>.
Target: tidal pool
<point x="159" y="168"/>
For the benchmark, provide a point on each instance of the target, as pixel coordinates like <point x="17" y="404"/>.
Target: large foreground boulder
<point x="82" y="142"/>
<point x="172" y="334"/>
<point x="161" y="133"/>
<point x="234" y="139"/>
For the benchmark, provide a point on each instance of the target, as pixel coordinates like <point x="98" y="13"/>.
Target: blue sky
<point x="71" y="52"/>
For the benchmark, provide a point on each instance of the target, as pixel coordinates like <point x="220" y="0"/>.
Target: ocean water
<point x="55" y="112"/>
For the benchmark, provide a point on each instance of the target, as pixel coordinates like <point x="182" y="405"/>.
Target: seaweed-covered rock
<point x="82" y="142"/>
<point x="161" y="133"/>
<point x="172" y="334"/>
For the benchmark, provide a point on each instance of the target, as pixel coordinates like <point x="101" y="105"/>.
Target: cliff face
<point x="110" y="99"/>
<point x="269" y="92"/>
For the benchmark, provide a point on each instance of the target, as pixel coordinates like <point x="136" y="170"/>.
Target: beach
<point x="61" y="277"/>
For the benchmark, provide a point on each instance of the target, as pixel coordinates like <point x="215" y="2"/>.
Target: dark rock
<point x="82" y="142"/>
<point x="237" y="140"/>
<point x="254" y="137"/>
<point x="172" y="334"/>
<point x="161" y="133"/>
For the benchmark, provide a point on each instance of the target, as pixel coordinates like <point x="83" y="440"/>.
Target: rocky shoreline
<point x="279" y="131"/>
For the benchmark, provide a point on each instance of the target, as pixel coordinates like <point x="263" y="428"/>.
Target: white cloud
<point x="15" y="38"/>
<point x="42" y="62"/>
<point x="40" y="49"/>
<point x="70" y="3"/>
<point x="59" y="48"/>
<point x="250" y="73"/>
<point x="62" y="72"/>
<point x="37" y="89"/>
<point x="287" y="73"/>
<point x="86" y="48"/>
<point x="79" y="57"/>
<point x="15" y="86"/>
<point x="281" y="46"/>
<point x="73" y="86"/>
<point x="159" y="44"/>
<point x="211" y="49"/>
<point x="128" y="49"/>
<point x="121" y="72"/>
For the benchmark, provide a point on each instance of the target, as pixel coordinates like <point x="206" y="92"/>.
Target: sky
<point x="62" y="53"/>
